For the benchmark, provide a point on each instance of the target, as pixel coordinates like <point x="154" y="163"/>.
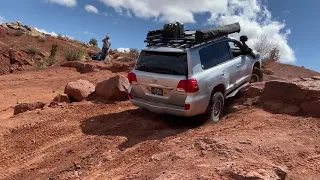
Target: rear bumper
<point x="197" y="106"/>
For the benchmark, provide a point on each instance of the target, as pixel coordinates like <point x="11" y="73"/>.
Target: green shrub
<point x="42" y="39"/>
<point x="125" y="59"/>
<point x="60" y="36"/>
<point x="53" y="51"/>
<point x="93" y="41"/>
<point x="31" y="51"/>
<point x="41" y="64"/>
<point x="19" y="32"/>
<point x="72" y="53"/>
<point x="50" y="61"/>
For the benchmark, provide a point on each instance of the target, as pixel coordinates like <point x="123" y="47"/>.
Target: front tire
<point x="214" y="111"/>
<point x="257" y="75"/>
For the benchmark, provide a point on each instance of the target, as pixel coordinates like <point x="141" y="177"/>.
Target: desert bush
<point x="93" y="41"/>
<point x="60" y="36"/>
<point x="133" y="54"/>
<point x="80" y="41"/>
<point x="53" y="53"/>
<point x="125" y="59"/>
<point x="31" y="51"/>
<point x="127" y="56"/>
<point x="72" y="53"/>
<point x="48" y="61"/>
<point x="273" y="56"/>
<point x="45" y="62"/>
<point x="41" y="64"/>
<point x="19" y="32"/>
<point x="268" y="49"/>
<point x="116" y="55"/>
<point x="42" y="39"/>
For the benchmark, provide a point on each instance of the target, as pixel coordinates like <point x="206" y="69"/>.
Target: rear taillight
<point x="187" y="107"/>
<point x="188" y="85"/>
<point x="132" y="78"/>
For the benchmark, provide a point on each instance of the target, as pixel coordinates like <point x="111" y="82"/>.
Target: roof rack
<point x="174" y="35"/>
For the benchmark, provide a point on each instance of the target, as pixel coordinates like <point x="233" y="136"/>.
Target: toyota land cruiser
<point x="192" y="72"/>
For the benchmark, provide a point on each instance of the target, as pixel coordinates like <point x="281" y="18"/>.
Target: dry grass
<point x="42" y="39"/>
<point x="31" y="51"/>
<point x="132" y="55"/>
<point x="73" y="53"/>
<point x="268" y="49"/>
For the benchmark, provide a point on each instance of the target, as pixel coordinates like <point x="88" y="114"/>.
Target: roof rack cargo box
<point x="213" y="33"/>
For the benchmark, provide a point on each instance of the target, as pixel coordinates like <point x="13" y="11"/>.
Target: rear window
<point x="163" y="62"/>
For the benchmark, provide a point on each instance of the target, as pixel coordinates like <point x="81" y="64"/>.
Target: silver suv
<point x="193" y="73"/>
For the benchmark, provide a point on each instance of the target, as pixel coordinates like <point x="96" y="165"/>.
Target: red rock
<point x="253" y="90"/>
<point x="268" y="72"/>
<point x="81" y="67"/>
<point x="311" y="108"/>
<point x="21" y="108"/>
<point x="114" y="88"/>
<point x="79" y="90"/>
<point x="59" y="99"/>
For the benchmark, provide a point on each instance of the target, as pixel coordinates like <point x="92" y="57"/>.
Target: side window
<point x="215" y="54"/>
<point x="235" y="49"/>
<point x="209" y="57"/>
<point x="223" y="51"/>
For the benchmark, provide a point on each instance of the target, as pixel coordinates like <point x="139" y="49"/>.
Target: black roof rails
<point x="188" y="38"/>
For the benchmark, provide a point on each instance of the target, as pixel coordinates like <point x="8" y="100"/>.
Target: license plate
<point x="156" y="91"/>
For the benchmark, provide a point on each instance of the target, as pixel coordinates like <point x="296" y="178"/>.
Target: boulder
<point x="114" y="88"/>
<point x="272" y="77"/>
<point x="14" y="25"/>
<point x="23" y="107"/>
<point x="286" y="91"/>
<point x="118" y="66"/>
<point x="267" y="72"/>
<point x="290" y="109"/>
<point x="316" y="78"/>
<point x="18" y="57"/>
<point x="274" y="105"/>
<point x="311" y="108"/>
<point x="281" y="173"/>
<point x="4" y="25"/>
<point x="108" y="59"/>
<point x="79" y="90"/>
<point x="253" y="90"/>
<point x="59" y="99"/>
<point x="81" y="67"/>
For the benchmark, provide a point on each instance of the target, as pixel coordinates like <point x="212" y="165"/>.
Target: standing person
<point x="105" y="48"/>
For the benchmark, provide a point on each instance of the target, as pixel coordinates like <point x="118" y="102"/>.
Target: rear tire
<point x="215" y="108"/>
<point x="257" y="75"/>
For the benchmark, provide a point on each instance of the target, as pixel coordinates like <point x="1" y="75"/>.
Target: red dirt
<point x="21" y="44"/>
<point x="288" y="71"/>
<point x="95" y="140"/>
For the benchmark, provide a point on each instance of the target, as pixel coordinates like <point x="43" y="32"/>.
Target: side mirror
<point x="243" y="39"/>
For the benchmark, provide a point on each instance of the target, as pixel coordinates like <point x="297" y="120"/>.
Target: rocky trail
<point x="259" y="138"/>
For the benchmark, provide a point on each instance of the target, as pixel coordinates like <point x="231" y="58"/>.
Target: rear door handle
<point x="238" y="65"/>
<point x="223" y="73"/>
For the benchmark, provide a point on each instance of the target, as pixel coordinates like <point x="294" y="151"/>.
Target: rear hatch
<point x="158" y="75"/>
